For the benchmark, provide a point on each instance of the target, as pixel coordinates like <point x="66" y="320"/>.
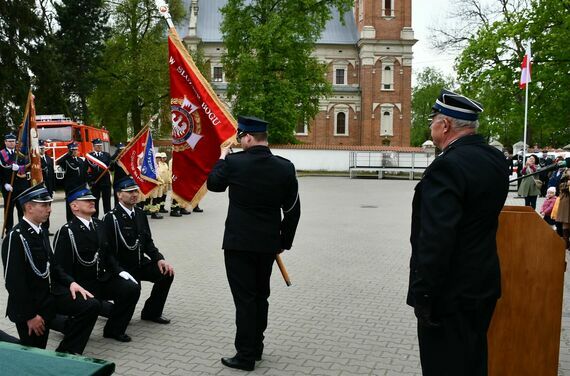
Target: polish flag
<point x="525" y="69"/>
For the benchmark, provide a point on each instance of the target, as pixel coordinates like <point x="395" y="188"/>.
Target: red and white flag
<point x="525" y="69"/>
<point x="135" y="158"/>
<point x="200" y="125"/>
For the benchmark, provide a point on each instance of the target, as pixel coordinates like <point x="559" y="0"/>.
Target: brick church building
<point x="369" y="61"/>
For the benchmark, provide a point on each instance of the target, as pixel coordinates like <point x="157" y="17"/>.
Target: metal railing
<point x="390" y="160"/>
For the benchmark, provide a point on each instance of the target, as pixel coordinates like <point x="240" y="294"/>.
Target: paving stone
<point x="344" y="315"/>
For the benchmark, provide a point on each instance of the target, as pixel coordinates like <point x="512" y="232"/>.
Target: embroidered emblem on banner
<point x="186" y="127"/>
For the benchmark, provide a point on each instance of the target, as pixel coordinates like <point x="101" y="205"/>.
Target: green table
<point x="22" y="360"/>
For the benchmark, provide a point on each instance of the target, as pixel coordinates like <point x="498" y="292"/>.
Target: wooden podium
<point x="524" y="336"/>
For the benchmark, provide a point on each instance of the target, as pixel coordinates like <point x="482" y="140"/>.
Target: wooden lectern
<point x="524" y="337"/>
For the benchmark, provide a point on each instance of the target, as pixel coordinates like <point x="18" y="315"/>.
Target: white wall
<point x="316" y="160"/>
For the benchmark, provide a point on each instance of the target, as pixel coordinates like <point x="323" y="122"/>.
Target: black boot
<point x="175" y="212"/>
<point x="155" y="215"/>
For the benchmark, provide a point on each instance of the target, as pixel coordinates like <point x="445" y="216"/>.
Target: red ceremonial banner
<point x="132" y="159"/>
<point x="200" y="125"/>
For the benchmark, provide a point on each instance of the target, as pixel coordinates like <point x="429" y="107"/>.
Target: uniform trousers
<point x="249" y="276"/>
<point x="459" y="345"/>
<point x="84" y="313"/>
<point x="102" y="193"/>
<point x="154" y="305"/>
<point x="32" y="340"/>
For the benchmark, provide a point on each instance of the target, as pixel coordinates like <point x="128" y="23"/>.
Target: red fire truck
<point x="57" y="131"/>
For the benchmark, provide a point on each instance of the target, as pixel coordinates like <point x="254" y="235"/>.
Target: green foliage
<point x="268" y="63"/>
<point x="133" y="77"/>
<point x="489" y="70"/>
<point x="429" y="84"/>
<point x="79" y="43"/>
<point x="21" y="35"/>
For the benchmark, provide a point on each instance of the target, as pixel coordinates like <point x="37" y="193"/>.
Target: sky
<point x="426" y="14"/>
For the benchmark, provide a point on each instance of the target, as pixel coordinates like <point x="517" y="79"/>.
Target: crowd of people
<point x="550" y="180"/>
<point x="95" y="266"/>
<point x="96" y="258"/>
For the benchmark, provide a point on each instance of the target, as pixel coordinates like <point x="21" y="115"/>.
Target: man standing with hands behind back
<point x="261" y="186"/>
<point x="455" y="279"/>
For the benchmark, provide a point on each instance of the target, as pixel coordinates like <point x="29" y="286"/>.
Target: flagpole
<point x="527" y="74"/>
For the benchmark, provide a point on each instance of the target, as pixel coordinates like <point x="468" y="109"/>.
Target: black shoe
<point x="162" y="210"/>
<point x="156" y="216"/>
<point x="119" y="337"/>
<point x="175" y="214"/>
<point x="158" y="320"/>
<point x="235" y="362"/>
<point x="185" y="212"/>
<point x="197" y="210"/>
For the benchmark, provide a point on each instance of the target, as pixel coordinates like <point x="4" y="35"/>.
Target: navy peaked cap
<point x="10" y="136"/>
<point x="126" y="184"/>
<point x="37" y="193"/>
<point x="80" y="193"/>
<point x="251" y="124"/>
<point x="97" y="141"/>
<point x="456" y="106"/>
<point x="72" y="146"/>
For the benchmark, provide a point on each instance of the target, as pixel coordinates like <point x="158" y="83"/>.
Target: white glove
<point x="8" y="187"/>
<point x="127" y="276"/>
<point x="15" y="167"/>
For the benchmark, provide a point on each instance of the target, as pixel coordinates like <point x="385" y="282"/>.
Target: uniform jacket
<point x="118" y="171"/>
<point x="66" y="264"/>
<point x="28" y="294"/>
<point x="75" y="171"/>
<point x="455" y="213"/>
<point x="95" y="170"/>
<point x="48" y="172"/>
<point x="261" y="187"/>
<point x="21" y="181"/>
<point x="131" y="230"/>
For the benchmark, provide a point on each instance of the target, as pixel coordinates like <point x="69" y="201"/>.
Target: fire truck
<point x="57" y="131"/>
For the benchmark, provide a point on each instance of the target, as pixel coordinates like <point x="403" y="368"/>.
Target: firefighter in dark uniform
<point x="455" y="278"/>
<point x="82" y="256"/>
<point x="11" y="163"/>
<point x="26" y="254"/>
<point x="118" y="172"/>
<point x="75" y="169"/>
<point x="261" y="187"/>
<point x="102" y="189"/>
<point x="48" y="175"/>
<point x="130" y="239"/>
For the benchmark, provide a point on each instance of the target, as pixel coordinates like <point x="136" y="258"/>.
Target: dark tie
<point x="133" y="215"/>
<point x="91" y="228"/>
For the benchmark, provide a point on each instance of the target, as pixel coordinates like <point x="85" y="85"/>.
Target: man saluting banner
<point x="200" y="124"/>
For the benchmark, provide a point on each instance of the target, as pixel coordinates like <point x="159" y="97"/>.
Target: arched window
<point x="340" y="126"/>
<point x="388" y="76"/>
<point x="387" y="8"/>
<point x="387" y="120"/>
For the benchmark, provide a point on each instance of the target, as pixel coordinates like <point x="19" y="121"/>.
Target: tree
<point x="79" y="43"/>
<point x="488" y="67"/>
<point x="268" y="63"/>
<point x="21" y="33"/>
<point x="429" y="84"/>
<point x="133" y="79"/>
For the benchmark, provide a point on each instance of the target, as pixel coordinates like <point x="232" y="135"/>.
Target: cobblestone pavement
<point x="344" y="315"/>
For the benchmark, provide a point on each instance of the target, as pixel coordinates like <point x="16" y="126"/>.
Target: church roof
<point x="210" y="18"/>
